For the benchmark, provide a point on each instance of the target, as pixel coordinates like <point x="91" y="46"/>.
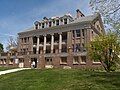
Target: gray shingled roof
<point x="86" y="18"/>
<point x="29" y="29"/>
<point x="80" y="20"/>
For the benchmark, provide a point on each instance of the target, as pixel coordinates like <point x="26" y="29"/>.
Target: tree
<point x="1" y="48"/>
<point x="110" y="11"/>
<point x="12" y="44"/>
<point x="105" y="48"/>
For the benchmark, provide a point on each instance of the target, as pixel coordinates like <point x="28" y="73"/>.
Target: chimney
<point x="79" y="14"/>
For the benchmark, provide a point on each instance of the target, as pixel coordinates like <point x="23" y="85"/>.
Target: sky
<point x="18" y="15"/>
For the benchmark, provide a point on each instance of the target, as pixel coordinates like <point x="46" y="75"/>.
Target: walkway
<point x="12" y="70"/>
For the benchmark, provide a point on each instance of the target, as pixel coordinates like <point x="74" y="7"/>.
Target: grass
<point x="59" y="79"/>
<point x="5" y="68"/>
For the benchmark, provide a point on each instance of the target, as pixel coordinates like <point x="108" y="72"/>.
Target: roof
<point x="80" y="20"/>
<point x="86" y="18"/>
<point x="29" y="29"/>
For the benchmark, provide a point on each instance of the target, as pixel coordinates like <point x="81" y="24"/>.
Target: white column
<point x="44" y="47"/>
<point x="68" y="21"/>
<point x="55" y="23"/>
<point x="38" y="40"/>
<point x="52" y="43"/>
<point x="63" y="21"/>
<point x="40" y="26"/>
<point x="44" y="24"/>
<point x="51" y="23"/>
<point x="60" y="42"/>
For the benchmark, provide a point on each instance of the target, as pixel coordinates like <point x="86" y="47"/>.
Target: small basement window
<point x="11" y="61"/>
<point x="63" y="60"/>
<point x="76" y="60"/>
<point x="83" y="59"/>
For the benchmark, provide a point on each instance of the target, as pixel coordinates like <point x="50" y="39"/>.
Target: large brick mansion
<point x="57" y="42"/>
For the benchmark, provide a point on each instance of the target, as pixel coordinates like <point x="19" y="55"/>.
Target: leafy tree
<point x="105" y="48"/>
<point x="110" y="11"/>
<point x="1" y="48"/>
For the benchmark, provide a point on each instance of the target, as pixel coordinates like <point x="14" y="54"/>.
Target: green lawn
<point x="59" y="79"/>
<point x="5" y="68"/>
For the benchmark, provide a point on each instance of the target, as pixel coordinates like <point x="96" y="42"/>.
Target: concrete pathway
<point x="12" y="70"/>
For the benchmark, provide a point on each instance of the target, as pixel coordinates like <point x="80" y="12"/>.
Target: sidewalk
<point x="12" y="70"/>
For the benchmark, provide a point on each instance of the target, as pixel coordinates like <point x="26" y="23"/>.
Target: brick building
<point x="59" y="41"/>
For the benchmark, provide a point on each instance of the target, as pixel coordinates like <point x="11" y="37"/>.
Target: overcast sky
<point x="18" y="15"/>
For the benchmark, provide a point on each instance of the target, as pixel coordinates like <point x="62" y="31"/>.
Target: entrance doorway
<point x="21" y="63"/>
<point x="34" y="62"/>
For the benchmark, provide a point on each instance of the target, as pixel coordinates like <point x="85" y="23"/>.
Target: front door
<point x="21" y="63"/>
<point x="34" y="61"/>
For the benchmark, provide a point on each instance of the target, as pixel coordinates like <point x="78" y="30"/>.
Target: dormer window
<point x="98" y="27"/>
<point x="53" y="22"/>
<point x="57" y="22"/>
<point x="36" y="24"/>
<point x="39" y="24"/>
<point x="42" y="25"/>
<point x="65" y="21"/>
<point x="49" y="24"/>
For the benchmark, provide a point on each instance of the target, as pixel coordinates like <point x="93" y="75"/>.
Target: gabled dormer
<point x="53" y="21"/>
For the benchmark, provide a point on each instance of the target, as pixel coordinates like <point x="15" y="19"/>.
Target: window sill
<point x="76" y="63"/>
<point x="63" y="63"/>
<point x="96" y="62"/>
<point x="83" y="63"/>
<point x="11" y="64"/>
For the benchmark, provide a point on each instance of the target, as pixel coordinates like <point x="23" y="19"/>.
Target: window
<point x="42" y="25"/>
<point x="57" y="22"/>
<point x="34" y="50"/>
<point x="98" y="27"/>
<point x="78" y="33"/>
<point x="64" y="48"/>
<point x="28" y="39"/>
<point x="63" y="60"/>
<point x="39" y="24"/>
<point x="48" y="50"/>
<point x="36" y="26"/>
<point x="83" y="59"/>
<point x="83" y="34"/>
<point x="96" y="62"/>
<point x="22" y="40"/>
<point x="76" y="47"/>
<point x="35" y="40"/>
<point x="25" y="40"/>
<point x="49" y="24"/>
<point x="1" y="61"/>
<point x="73" y="34"/>
<point x="83" y="47"/>
<point x="65" y="21"/>
<point x="76" y="60"/>
<point x="53" y="22"/>
<point x="11" y="61"/>
<point x="4" y="61"/>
